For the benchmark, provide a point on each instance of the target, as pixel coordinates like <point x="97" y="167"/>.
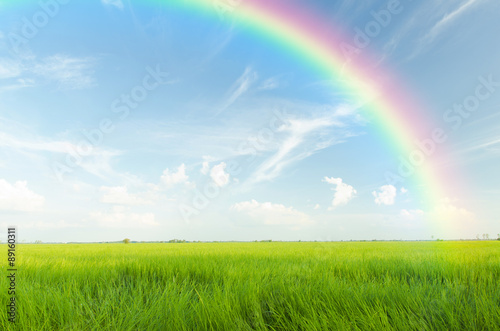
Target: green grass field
<point x="257" y="286"/>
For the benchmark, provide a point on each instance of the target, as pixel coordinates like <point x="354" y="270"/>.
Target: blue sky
<point x="119" y="120"/>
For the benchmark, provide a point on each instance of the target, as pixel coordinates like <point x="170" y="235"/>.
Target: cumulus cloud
<point x="447" y="210"/>
<point x="448" y="220"/>
<point x="343" y="192"/>
<point x="17" y="197"/>
<point x="119" y="195"/>
<point x="455" y="221"/>
<point x="411" y="213"/>
<point x="386" y="195"/>
<point x="170" y="178"/>
<point x="205" y="168"/>
<point x="219" y="175"/>
<point x="272" y="214"/>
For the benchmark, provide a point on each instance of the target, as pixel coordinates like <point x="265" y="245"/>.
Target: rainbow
<point x="398" y="115"/>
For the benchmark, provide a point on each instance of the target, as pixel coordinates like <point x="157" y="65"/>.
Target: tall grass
<point x="258" y="286"/>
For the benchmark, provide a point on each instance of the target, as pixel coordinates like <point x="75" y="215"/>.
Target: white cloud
<point x="447" y="210"/>
<point x="272" y="214"/>
<point x="218" y="42"/>
<point x="51" y="225"/>
<point x="219" y="175"/>
<point x="317" y="206"/>
<point x="9" y="68"/>
<point x="17" y="197"/>
<point x="386" y="195"/>
<point x="178" y="177"/>
<point x="411" y="213"/>
<point x="296" y="133"/>
<point x="448" y="19"/>
<point x="99" y="163"/>
<point x="69" y="72"/>
<point x="38" y="144"/>
<point x="447" y="219"/>
<point x="95" y="160"/>
<point x="343" y="192"/>
<point x="19" y="83"/>
<point x="119" y="195"/>
<point x="488" y="144"/>
<point x="241" y="85"/>
<point x="454" y="222"/>
<point x="205" y="168"/>
<point x="403" y="190"/>
<point x="120" y="217"/>
<point x="270" y="84"/>
<point x="116" y="3"/>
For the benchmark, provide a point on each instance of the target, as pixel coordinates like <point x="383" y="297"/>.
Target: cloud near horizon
<point x="272" y="214"/>
<point x="18" y="197"/>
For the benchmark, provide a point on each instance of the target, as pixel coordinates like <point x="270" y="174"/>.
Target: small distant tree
<point x="126" y="241"/>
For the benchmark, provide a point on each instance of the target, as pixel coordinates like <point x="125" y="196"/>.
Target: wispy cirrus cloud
<point x="241" y="86"/>
<point x="428" y="22"/>
<point x="449" y="19"/>
<point x="66" y="71"/>
<point x="96" y="161"/>
<point x="35" y="144"/>
<point x="299" y="139"/>
<point x="10" y="68"/>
